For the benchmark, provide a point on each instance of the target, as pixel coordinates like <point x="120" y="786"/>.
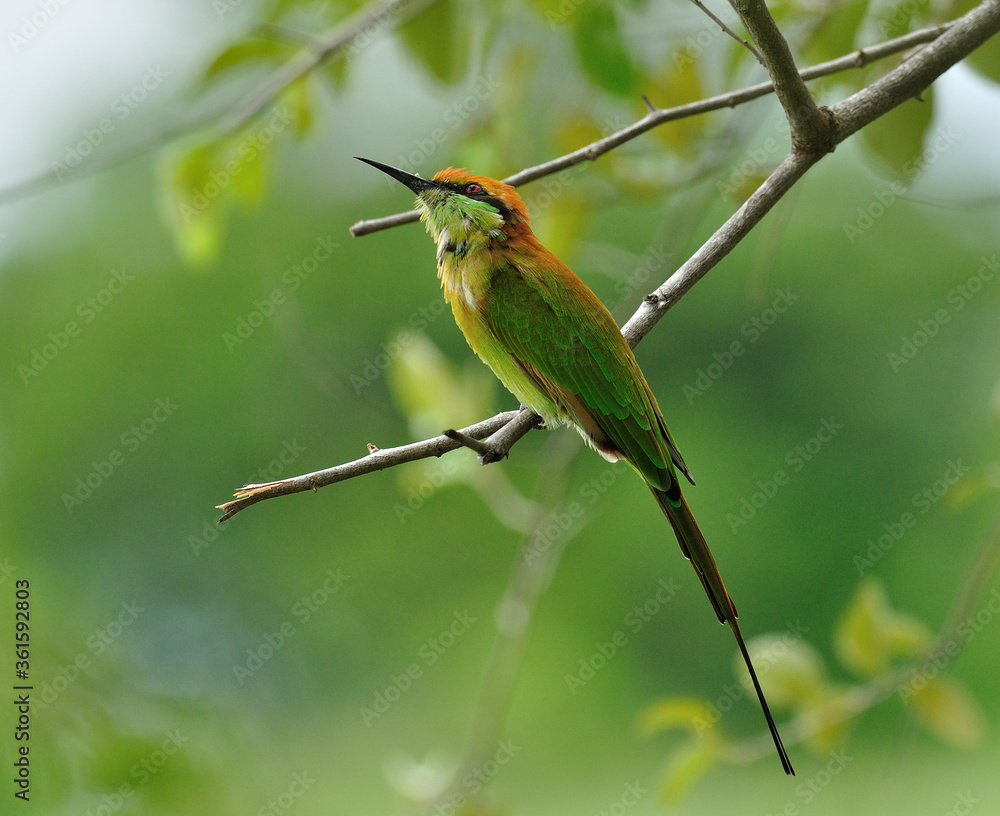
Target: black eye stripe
<point x="496" y="203"/>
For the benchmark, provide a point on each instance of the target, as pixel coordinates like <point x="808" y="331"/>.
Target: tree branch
<point x="377" y="459"/>
<point x="316" y="51"/>
<point x="811" y="130"/>
<point x="727" y="30"/>
<point x="905" y="81"/>
<point x="660" y="116"/>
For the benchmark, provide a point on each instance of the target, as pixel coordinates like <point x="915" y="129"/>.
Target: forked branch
<point x="908" y="80"/>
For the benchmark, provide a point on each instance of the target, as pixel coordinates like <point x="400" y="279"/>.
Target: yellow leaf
<point x="870" y="634"/>
<point x="688" y="713"/>
<point x="946" y="709"/>
<point x="790" y="671"/>
<point x="686" y="765"/>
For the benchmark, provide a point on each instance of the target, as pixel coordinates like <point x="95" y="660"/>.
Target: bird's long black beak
<point x="415" y="183"/>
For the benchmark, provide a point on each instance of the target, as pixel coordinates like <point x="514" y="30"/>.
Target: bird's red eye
<point x="473" y="188"/>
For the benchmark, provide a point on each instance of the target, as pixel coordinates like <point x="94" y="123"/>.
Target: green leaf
<point x="246" y="52"/>
<point x="791" y="672"/>
<point x="986" y="59"/>
<point x="191" y="212"/>
<point x="430" y="390"/>
<point x="870" y="634"/>
<point x="828" y="718"/>
<point x="601" y="50"/>
<point x="896" y="140"/>
<point x="438" y="40"/>
<point x="679" y="84"/>
<point x="298" y="97"/>
<point x="837" y="31"/>
<point x="946" y="709"/>
<point x="896" y="20"/>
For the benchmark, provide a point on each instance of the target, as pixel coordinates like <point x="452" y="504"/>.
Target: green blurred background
<point x="149" y="621"/>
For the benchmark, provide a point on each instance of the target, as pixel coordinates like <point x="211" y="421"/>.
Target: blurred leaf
<point x="438" y="40"/>
<point x="335" y="70"/>
<point x="429" y="388"/>
<point x="299" y="99"/>
<point x="837" y="31"/>
<point x="686" y="765"/>
<point x="601" y="50"/>
<point x="986" y="58"/>
<point x="192" y="209"/>
<point x="896" y="19"/>
<point x="790" y="672"/>
<point x="688" y="713"/>
<point x="946" y="709"/>
<point x="897" y="139"/>
<point x="982" y="480"/>
<point x="870" y="634"/>
<point x="828" y="719"/>
<point x="559" y="225"/>
<point x="245" y="52"/>
<point x="679" y="84"/>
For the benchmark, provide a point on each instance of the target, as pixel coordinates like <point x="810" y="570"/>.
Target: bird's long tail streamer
<point x="696" y="550"/>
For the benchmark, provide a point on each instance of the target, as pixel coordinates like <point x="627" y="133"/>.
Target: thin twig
<point x="480" y="447"/>
<point x="379" y="459"/>
<point x="660" y="116"/>
<point x="316" y="51"/>
<point x="811" y="127"/>
<point x="727" y="30"/>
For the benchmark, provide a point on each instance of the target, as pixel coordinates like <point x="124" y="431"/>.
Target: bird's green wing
<point x="568" y="343"/>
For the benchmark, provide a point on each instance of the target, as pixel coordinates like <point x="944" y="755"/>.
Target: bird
<point x="554" y="345"/>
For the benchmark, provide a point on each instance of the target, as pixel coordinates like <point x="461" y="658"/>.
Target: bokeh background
<point x="328" y="653"/>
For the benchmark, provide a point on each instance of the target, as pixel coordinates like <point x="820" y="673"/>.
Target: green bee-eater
<point x="558" y="350"/>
